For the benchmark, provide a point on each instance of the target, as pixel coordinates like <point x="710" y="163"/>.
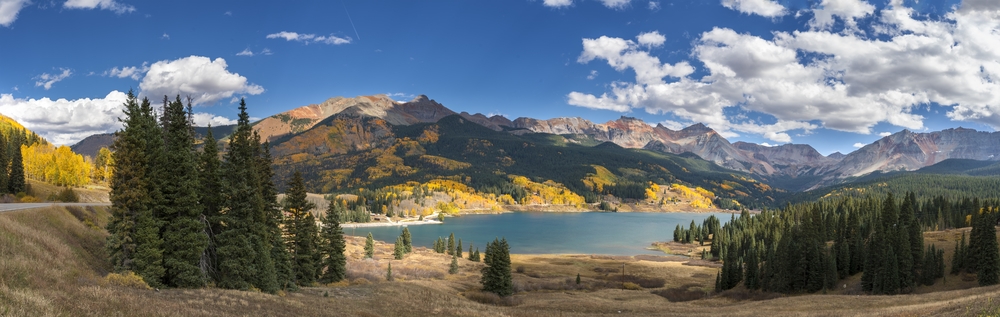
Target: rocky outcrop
<point x="908" y="151"/>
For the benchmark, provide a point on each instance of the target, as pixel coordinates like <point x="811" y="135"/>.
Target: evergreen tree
<point x="989" y="261"/>
<point x="4" y="163"/>
<point x="243" y="246"/>
<point x="398" y="249"/>
<point x="458" y="248"/>
<point x="407" y="240"/>
<point x="333" y="246"/>
<point x="451" y="244"/>
<point x="577" y="278"/>
<point x="453" y="268"/>
<point x="496" y="276"/>
<point x="269" y="211"/>
<point x="209" y="182"/>
<point x="470" y="252"/>
<point x="957" y="263"/>
<point x="752" y="269"/>
<point x="300" y="231"/>
<point x="476" y="257"/>
<point x="388" y="273"/>
<point x="15" y="181"/>
<point x="184" y="239"/>
<point x="133" y="243"/>
<point x="369" y="246"/>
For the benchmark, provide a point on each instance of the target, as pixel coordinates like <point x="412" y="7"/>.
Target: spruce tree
<point x="333" y="246"/>
<point x="496" y="276"/>
<point x="209" y="182"/>
<point x="470" y="252"/>
<point x="243" y="246"/>
<point x="957" y="263"/>
<point x="451" y="244"/>
<point x="369" y="246"/>
<point x="300" y="231"/>
<point x="989" y="261"/>
<point x="270" y="212"/>
<point x="184" y="239"/>
<point x="397" y="249"/>
<point x="15" y="182"/>
<point x="407" y="240"/>
<point x="4" y="163"/>
<point x="458" y="248"/>
<point x="476" y="257"/>
<point x="453" y="268"/>
<point x="133" y="243"/>
<point x="388" y="273"/>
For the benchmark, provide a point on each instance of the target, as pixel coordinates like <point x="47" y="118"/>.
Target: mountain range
<point x="335" y="127"/>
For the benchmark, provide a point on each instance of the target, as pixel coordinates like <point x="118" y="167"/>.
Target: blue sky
<point x="830" y="73"/>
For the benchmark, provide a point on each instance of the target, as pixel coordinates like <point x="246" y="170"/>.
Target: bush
<point x="520" y="269"/>
<point x="360" y="281"/>
<point x="67" y="195"/>
<point x="29" y="199"/>
<point x="493" y="299"/>
<point x="631" y="286"/>
<point x="127" y="279"/>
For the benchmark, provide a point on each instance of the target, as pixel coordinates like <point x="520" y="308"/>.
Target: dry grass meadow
<point x="51" y="264"/>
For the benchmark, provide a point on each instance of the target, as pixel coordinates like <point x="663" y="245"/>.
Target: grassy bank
<point x="52" y="264"/>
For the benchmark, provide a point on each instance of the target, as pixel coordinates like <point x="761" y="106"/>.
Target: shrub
<point x="493" y="299"/>
<point x="127" y="279"/>
<point x="631" y="286"/>
<point x="520" y="269"/>
<point x="360" y="281"/>
<point x="29" y="199"/>
<point x="67" y="195"/>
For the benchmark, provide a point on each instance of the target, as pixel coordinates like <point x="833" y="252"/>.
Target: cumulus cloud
<point x="310" y="38"/>
<point x="808" y="79"/>
<point x="110" y="5"/>
<point x="615" y="4"/>
<point x="557" y="3"/>
<point x="46" y="80"/>
<point x="202" y="119"/>
<point x="846" y="10"/>
<point x="206" y="81"/>
<point x="859" y="145"/>
<point x="764" y="8"/>
<point x="63" y="121"/>
<point x="651" y="39"/>
<point x="128" y="72"/>
<point x="66" y="122"/>
<point x="245" y="52"/>
<point x="885" y="134"/>
<point x="9" y="10"/>
<point x="980" y="5"/>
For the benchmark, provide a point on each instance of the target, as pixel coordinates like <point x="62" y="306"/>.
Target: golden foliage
<point x="700" y="198"/>
<point x="444" y="163"/>
<point x="127" y="279"/>
<point x="600" y="178"/>
<point x="430" y="135"/>
<point x="59" y="166"/>
<point x="548" y="192"/>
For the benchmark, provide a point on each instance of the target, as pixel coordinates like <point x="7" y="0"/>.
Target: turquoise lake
<point x="552" y="232"/>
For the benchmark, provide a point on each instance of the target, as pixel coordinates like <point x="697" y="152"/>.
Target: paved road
<point x="12" y="207"/>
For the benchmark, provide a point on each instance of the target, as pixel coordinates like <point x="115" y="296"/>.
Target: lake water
<point x="552" y="232"/>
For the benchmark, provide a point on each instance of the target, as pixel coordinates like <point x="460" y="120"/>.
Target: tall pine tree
<point x="184" y="239"/>
<point x="300" y="231"/>
<point x="209" y="186"/>
<point x="332" y="249"/>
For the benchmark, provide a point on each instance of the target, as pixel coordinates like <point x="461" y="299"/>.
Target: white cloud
<point x="202" y="119"/>
<point x="291" y="36"/>
<point x="229" y="13"/>
<point x="980" y="5"/>
<point x="885" y="134"/>
<point x="767" y="144"/>
<point x="9" y="10"/>
<point x="557" y="3"/>
<point x="333" y="40"/>
<point x="651" y="39"/>
<point x="128" y="72"/>
<point x="245" y="52"/>
<point x="859" y="145"/>
<point x="46" y="80"/>
<point x="64" y="121"/>
<point x="165" y="36"/>
<point x="593" y="74"/>
<point x="846" y="10"/>
<point x="817" y="78"/>
<point x="205" y="80"/>
<point x="110" y="5"/>
<point x="615" y="4"/>
<point x="266" y="51"/>
<point x="764" y="8"/>
<point x="654" y="5"/>
<point x="310" y="38"/>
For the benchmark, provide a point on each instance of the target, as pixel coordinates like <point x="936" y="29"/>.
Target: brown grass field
<point x="52" y="264"/>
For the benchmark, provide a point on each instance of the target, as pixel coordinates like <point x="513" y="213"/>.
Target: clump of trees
<point x="791" y="250"/>
<point x="698" y="233"/>
<point x="181" y="218"/>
